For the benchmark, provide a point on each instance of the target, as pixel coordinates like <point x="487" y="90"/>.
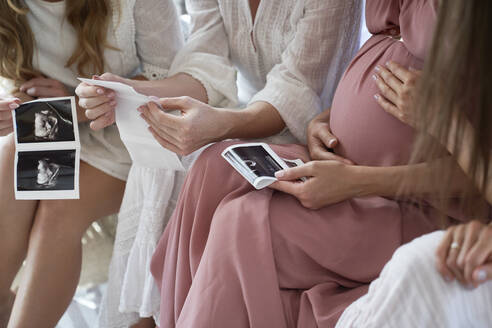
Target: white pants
<point x="411" y="293"/>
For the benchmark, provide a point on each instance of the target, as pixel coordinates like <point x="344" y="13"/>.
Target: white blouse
<point x="292" y="56"/>
<point x="147" y="35"/>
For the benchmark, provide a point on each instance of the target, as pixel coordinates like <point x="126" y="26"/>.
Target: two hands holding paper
<point x="331" y="178"/>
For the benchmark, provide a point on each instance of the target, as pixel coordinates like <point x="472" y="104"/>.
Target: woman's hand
<point x="99" y="103"/>
<point x="6" y="107"/>
<point x="397" y="86"/>
<point x="321" y="141"/>
<point x="328" y="182"/>
<point x="198" y="125"/>
<point x="465" y="253"/>
<point x="41" y="87"/>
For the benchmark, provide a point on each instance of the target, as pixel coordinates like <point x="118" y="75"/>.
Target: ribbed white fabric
<point x="410" y="293"/>
<point x="291" y="57"/>
<point x="147" y="34"/>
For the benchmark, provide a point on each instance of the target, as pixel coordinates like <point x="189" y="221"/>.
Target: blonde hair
<point x="89" y="18"/>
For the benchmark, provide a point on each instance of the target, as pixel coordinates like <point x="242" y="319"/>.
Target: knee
<point x="210" y="160"/>
<point x="53" y="219"/>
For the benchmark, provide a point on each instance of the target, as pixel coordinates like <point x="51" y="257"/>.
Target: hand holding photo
<point x="47" y="149"/>
<point x="48" y="120"/>
<point x="257" y="163"/>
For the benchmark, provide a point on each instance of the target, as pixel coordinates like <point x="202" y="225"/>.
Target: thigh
<point x="100" y="195"/>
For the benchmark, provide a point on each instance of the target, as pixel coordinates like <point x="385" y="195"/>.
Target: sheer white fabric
<point x="292" y="56"/>
<point x="411" y="293"/>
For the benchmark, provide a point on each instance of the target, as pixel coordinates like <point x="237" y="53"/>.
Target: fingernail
<point x="481" y="275"/>
<point x="375" y="77"/>
<point x="448" y="278"/>
<point x="100" y="91"/>
<point x="95" y="77"/>
<point x="14" y="105"/>
<point x="376" y="96"/>
<point x="111" y="95"/>
<point x="377" y="69"/>
<point x="30" y="91"/>
<point x="279" y="174"/>
<point x="331" y="143"/>
<point x="140" y="109"/>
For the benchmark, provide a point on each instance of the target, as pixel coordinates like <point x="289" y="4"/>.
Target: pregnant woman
<point x="232" y="256"/>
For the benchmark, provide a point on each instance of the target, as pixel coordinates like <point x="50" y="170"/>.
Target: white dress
<point x="294" y="53"/>
<point x="411" y="293"/>
<point x="138" y="53"/>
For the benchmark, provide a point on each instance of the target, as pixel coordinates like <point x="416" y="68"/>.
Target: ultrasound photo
<point x="46" y="170"/>
<point x="45" y="121"/>
<point x="258" y="160"/>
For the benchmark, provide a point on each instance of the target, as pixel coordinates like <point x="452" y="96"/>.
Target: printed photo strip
<point x="47" y="156"/>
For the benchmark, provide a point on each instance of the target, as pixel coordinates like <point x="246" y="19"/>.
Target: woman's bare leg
<point x="15" y="224"/>
<point x="54" y="256"/>
<point x="145" y="323"/>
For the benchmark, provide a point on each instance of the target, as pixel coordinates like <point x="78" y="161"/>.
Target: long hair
<point x="455" y="92"/>
<point x="89" y="18"/>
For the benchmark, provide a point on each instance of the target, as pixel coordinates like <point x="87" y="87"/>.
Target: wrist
<point x="375" y="181"/>
<point x="227" y="121"/>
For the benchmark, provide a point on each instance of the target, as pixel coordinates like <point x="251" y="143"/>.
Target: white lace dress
<point x="295" y="52"/>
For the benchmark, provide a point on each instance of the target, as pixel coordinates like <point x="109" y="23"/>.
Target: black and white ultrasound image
<point x="258" y="160"/>
<point x="46" y="170"/>
<point x="49" y="121"/>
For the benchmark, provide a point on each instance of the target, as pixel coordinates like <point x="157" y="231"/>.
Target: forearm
<point x="416" y="180"/>
<point x="175" y="86"/>
<point x="259" y="120"/>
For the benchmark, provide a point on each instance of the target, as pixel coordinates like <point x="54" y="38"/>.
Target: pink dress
<point x="232" y="256"/>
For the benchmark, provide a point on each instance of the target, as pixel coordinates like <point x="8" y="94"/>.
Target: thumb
<point x="180" y="103"/>
<point x="293" y="173"/>
<point x="482" y="274"/>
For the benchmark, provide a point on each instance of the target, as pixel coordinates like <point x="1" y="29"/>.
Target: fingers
<point x="388" y="92"/>
<point x="482" y="250"/>
<point x="179" y="103"/>
<point x="442" y="254"/>
<point x="400" y="72"/>
<point x="42" y="91"/>
<point x="165" y="143"/>
<point x="166" y="134"/>
<point x="101" y="110"/>
<point x="482" y="274"/>
<point x="8" y="104"/>
<point x="452" y="260"/>
<point x="295" y="173"/>
<point x="5" y="115"/>
<point x="6" y="131"/>
<point x="37" y="82"/>
<point x="154" y="114"/>
<point x="102" y="121"/>
<point x="85" y="90"/>
<point x="472" y="234"/>
<point x="93" y="102"/>
<point x="389" y="78"/>
<point x="289" y="187"/>
<point x="6" y="124"/>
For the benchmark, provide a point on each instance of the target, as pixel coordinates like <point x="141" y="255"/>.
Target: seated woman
<point x="443" y="279"/>
<point x="44" y="47"/>
<point x="290" y="54"/>
<point x="233" y="256"/>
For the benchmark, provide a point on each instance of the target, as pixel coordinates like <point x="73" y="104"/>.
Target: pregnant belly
<point x="367" y="134"/>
